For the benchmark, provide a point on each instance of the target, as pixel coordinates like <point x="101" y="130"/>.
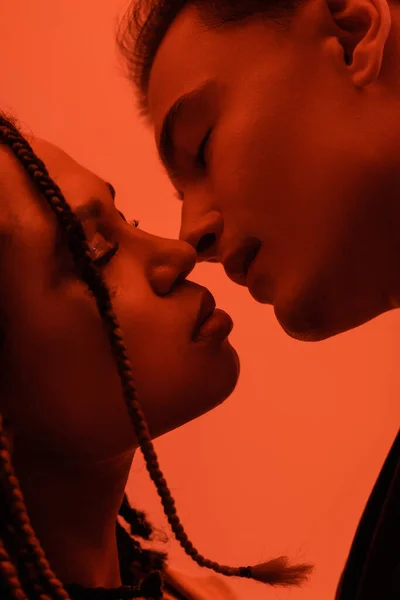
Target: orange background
<point x="287" y="463"/>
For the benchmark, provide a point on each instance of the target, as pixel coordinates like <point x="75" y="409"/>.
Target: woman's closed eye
<point x="103" y="250"/>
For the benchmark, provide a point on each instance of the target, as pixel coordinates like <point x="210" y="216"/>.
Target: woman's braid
<point x="21" y="523"/>
<point x="9" y="575"/>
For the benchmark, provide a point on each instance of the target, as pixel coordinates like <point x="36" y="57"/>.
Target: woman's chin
<point x="200" y="391"/>
<point x="217" y="385"/>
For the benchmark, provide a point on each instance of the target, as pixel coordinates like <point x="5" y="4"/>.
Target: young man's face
<point x="296" y="165"/>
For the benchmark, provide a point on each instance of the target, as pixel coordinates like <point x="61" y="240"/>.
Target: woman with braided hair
<point x="87" y="301"/>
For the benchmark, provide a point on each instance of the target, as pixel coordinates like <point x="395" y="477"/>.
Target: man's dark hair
<point x="25" y="572"/>
<point x="145" y="23"/>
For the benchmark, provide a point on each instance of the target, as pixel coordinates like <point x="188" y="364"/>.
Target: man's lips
<point x="237" y="262"/>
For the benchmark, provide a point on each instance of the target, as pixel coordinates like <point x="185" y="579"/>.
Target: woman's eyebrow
<point x="94" y="209"/>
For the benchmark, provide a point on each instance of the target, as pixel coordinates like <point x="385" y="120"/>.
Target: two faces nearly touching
<point x="280" y="138"/>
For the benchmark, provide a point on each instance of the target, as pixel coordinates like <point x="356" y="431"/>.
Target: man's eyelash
<point x="201" y="151"/>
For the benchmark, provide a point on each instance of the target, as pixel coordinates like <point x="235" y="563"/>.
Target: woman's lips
<point x="211" y="321"/>
<point x="218" y="326"/>
<point x="207" y="307"/>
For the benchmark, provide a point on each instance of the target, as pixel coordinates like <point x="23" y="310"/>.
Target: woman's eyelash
<point x="133" y="222"/>
<point x="103" y="260"/>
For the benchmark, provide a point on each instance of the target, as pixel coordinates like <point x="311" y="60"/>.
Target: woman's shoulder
<point x="210" y="587"/>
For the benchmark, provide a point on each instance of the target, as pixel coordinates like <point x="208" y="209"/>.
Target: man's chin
<point x="296" y="328"/>
<point x="313" y="319"/>
<point x="312" y="327"/>
<point x="309" y="335"/>
<point x="316" y="308"/>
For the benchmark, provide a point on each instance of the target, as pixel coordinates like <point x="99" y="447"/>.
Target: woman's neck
<point x="73" y="510"/>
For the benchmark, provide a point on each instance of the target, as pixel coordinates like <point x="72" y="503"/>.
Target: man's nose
<point x="204" y="235"/>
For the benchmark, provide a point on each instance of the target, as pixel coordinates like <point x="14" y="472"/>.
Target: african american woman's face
<point x="60" y="387"/>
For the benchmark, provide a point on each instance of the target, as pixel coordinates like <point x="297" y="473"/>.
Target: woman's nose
<point x="204" y="235"/>
<point x="170" y="264"/>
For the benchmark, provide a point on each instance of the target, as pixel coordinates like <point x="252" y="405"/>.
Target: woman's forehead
<point x="19" y="191"/>
<point x="52" y="156"/>
<point x="63" y="169"/>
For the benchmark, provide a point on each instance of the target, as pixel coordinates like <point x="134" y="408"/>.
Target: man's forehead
<point x="183" y="61"/>
<point x="193" y="52"/>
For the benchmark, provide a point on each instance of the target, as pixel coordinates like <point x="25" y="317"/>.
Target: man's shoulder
<point x="373" y="565"/>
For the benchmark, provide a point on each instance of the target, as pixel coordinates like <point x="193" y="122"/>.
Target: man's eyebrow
<point x="166" y="146"/>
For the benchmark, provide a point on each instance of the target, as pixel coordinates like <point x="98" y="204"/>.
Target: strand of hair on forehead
<point x="274" y="572"/>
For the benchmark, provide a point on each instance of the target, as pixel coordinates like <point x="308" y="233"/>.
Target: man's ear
<point x="364" y="27"/>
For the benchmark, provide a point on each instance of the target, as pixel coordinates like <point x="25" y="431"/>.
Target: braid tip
<point x="277" y="572"/>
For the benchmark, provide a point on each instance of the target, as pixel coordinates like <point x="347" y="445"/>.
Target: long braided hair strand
<point x="274" y="572"/>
